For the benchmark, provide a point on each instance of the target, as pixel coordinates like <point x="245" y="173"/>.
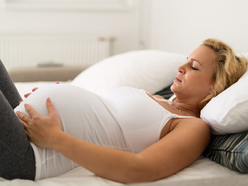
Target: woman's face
<point x="195" y="78"/>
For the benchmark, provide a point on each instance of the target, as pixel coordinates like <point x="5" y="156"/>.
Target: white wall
<point x="171" y="25"/>
<point x="120" y="24"/>
<point x="181" y="25"/>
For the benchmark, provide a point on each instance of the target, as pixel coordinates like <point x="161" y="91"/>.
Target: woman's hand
<point x="41" y="130"/>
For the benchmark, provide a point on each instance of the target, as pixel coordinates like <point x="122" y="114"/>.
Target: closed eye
<point x="193" y="68"/>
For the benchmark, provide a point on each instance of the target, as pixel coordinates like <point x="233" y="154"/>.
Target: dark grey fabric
<point x="16" y="154"/>
<point x="8" y="88"/>
<point x="165" y="93"/>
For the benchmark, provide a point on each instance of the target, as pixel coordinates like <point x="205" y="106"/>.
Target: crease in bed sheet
<point x="202" y="168"/>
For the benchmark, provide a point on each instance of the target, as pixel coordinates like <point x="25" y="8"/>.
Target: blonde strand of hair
<point x="228" y="68"/>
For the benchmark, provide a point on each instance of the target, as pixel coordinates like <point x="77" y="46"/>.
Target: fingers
<point x="50" y="107"/>
<point x="34" y="89"/>
<point x="23" y="119"/>
<point x="30" y="110"/>
<point x="32" y="113"/>
<point x="28" y="94"/>
<point x="25" y="125"/>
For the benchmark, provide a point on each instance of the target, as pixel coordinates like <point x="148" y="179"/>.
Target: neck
<point x="191" y="109"/>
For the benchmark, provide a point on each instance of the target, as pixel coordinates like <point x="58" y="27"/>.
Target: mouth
<point x="177" y="79"/>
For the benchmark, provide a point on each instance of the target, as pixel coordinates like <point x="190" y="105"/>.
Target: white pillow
<point x="151" y="70"/>
<point x="228" y="112"/>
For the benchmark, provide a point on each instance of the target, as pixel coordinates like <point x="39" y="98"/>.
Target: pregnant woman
<point x="127" y="136"/>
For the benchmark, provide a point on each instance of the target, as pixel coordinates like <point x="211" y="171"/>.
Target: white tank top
<point x="127" y="119"/>
<point x="140" y="117"/>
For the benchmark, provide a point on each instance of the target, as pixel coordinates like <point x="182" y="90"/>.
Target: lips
<point x="177" y="79"/>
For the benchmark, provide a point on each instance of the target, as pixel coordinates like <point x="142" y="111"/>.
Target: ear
<point x="211" y="89"/>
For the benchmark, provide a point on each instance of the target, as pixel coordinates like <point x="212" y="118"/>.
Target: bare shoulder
<point x="194" y="128"/>
<point x="192" y="124"/>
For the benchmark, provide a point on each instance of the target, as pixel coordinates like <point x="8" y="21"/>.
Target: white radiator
<point x="19" y="50"/>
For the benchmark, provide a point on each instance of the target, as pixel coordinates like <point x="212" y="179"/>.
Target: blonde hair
<point x="228" y="68"/>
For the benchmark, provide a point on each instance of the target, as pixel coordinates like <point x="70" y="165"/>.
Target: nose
<point x="181" y="69"/>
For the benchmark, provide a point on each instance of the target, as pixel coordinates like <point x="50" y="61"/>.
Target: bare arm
<point x="178" y="149"/>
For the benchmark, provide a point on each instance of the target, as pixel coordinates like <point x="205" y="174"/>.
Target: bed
<point x="154" y="71"/>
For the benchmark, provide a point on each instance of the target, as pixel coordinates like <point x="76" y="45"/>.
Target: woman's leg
<point x="16" y="154"/>
<point x="8" y="88"/>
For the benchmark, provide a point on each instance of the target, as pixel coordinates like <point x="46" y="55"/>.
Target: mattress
<point x="201" y="172"/>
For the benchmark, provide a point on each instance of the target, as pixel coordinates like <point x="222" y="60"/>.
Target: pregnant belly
<point x="82" y="114"/>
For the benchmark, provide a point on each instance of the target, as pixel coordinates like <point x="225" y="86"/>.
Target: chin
<point x="172" y="88"/>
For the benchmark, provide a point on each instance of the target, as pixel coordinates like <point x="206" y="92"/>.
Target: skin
<point x="194" y="80"/>
<point x="181" y="142"/>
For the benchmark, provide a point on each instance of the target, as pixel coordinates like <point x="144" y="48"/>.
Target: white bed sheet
<point x="202" y="172"/>
<point x="202" y="169"/>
